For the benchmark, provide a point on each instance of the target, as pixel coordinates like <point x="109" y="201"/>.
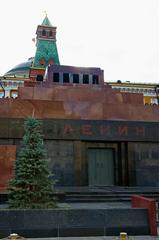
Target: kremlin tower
<point x="46" y="51"/>
<point x="33" y="69"/>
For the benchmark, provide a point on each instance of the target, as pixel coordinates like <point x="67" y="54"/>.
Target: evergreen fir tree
<point x="31" y="186"/>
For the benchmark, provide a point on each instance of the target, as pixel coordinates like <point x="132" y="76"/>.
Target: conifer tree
<point x="31" y="186"/>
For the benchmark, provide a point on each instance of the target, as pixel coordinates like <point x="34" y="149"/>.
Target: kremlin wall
<point x="94" y="135"/>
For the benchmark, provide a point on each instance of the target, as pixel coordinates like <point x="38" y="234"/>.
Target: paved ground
<point x="100" y="238"/>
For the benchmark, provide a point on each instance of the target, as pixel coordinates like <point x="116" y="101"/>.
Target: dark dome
<point x="20" y="70"/>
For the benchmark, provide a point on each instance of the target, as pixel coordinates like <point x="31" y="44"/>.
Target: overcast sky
<point x="119" y="36"/>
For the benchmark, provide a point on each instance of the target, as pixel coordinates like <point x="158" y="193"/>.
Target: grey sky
<point x="120" y="36"/>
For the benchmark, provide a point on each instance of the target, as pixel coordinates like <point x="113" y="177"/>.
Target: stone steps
<point x="107" y="196"/>
<point x="86" y="200"/>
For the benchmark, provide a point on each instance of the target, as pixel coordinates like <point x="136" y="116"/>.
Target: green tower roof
<point x="46" y="22"/>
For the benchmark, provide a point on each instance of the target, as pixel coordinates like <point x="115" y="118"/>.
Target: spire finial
<point x="45" y="13"/>
<point x="46" y="21"/>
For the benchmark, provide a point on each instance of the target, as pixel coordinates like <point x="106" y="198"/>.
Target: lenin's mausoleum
<point x="94" y="135"/>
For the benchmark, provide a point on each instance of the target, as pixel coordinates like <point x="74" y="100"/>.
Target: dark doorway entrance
<point x="101" y="166"/>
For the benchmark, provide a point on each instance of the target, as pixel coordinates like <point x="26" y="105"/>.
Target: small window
<point x="75" y="78"/>
<point x="13" y="94"/>
<point x="50" y="33"/>
<point x="85" y="79"/>
<point x="43" y="32"/>
<point x="56" y="77"/>
<point x="42" y="61"/>
<point x="39" y="78"/>
<point x="154" y="101"/>
<point x="95" y="79"/>
<point x="51" y="61"/>
<point x="1" y="94"/>
<point x="66" y="78"/>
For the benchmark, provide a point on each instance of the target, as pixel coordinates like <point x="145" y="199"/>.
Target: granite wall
<point x="61" y="161"/>
<point x="144" y="164"/>
<point x="74" y="222"/>
<point x="7" y="158"/>
<point x="80" y="102"/>
<point x="67" y="141"/>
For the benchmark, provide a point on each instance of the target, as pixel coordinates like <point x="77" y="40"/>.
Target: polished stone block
<point x="74" y="222"/>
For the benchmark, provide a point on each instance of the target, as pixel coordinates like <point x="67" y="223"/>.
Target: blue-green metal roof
<point x="46" y="22"/>
<point x="20" y="68"/>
